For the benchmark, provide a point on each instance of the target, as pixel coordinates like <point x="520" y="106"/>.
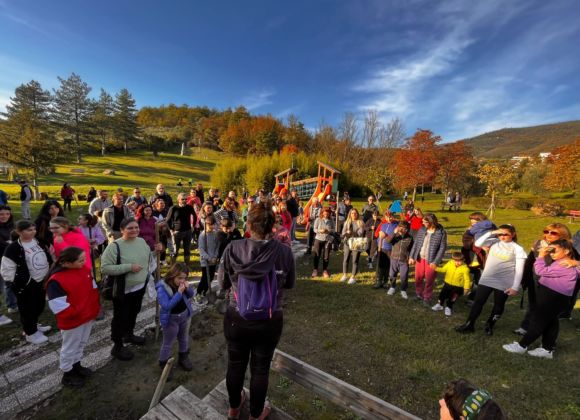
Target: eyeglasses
<point x="551" y="232"/>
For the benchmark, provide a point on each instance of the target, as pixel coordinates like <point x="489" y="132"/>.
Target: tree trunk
<point x="125" y="146"/>
<point x="182" y="148"/>
<point x="414" y="193"/>
<point x="103" y="142"/>
<point x="78" y="141"/>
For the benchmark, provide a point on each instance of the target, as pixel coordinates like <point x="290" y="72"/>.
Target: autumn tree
<point x="564" y="168"/>
<point x="295" y="134"/>
<point x="456" y="164"/>
<point x="417" y="162"/>
<point x="498" y="178"/>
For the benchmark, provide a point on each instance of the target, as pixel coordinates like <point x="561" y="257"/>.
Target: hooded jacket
<point x="168" y="298"/>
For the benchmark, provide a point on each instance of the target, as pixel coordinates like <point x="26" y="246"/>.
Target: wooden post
<point x="157" y="277"/>
<point x="161" y="383"/>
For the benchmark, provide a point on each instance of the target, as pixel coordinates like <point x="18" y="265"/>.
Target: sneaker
<point x="43" y="328"/>
<point x="325" y="274"/>
<point x="37" y="338"/>
<point x="391" y="291"/>
<point x="514" y="348"/>
<point x="437" y="307"/>
<point x="12" y="310"/>
<point x="520" y="331"/>
<point x="4" y="320"/>
<point x="352" y="280"/>
<point x="404" y="294"/>
<point x="138" y="340"/>
<point x="314" y="273"/>
<point x="344" y="278"/>
<point x="448" y="312"/>
<point x="541" y="352"/>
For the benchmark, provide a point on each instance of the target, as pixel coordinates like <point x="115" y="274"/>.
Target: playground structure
<point x="320" y="186"/>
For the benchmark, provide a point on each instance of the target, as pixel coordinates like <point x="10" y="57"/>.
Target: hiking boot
<point x="448" y="311"/>
<point x="121" y="352"/>
<point x="4" y="320"/>
<point x="138" y="340"/>
<point x="72" y="379"/>
<point x="343" y="278"/>
<point x="314" y="273"/>
<point x="465" y="328"/>
<point x="85" y="372"/>
<point x="37" y="338"/>
<point x="514" y="348"/>
<point x="162" y="366"/>
<point x="185" y="362"/>
<point x="404" y="294"/>
<point x="542" y="352"/>
<point x="391" y="291"/>
<point x="437" y="307"/>
<point x="520" y="331"/>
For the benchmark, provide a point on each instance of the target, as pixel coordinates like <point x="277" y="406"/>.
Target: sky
<point x="457" y="67"/>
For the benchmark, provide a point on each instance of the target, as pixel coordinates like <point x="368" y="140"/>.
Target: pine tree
<point x="103" y="111"/>
<point x="72" y="110"/>
<point x="125" y="118"/>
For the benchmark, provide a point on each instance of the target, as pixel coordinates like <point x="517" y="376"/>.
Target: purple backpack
<point x="257" y="299"/>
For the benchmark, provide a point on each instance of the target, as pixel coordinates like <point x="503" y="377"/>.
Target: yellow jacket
<point x="456" y="276"/>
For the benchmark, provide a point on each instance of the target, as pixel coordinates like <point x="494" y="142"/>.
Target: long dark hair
<point x="261" y="219"/>
<point x="67" y="255"/>
<point x="456" y="394"/>
<point x="44" y="209"/>
<point x="512" y="230"/>
<point x="10" y="221"/>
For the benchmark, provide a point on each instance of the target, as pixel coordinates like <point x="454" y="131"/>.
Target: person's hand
<point x="433" y="266"/>
<point x="182" y="287"/>
<point x="511" y="292"/>
<point x="411" y="261"/>
<point x="496" y="232"/>
<point x="568" y="263"/>
<point x="397" y="230"/>
<point x="135" y="268"/>
<point x="545" y="250"/>
<point x="466" y="292"/>
<point x="58" y="239"/>
<point x="159" y="247"/>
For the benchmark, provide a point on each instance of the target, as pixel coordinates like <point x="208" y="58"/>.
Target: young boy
<point x="457" y="282"/>
<point x="402" y="243"/>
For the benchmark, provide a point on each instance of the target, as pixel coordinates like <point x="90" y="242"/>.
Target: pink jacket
<point x="74" y="238"/>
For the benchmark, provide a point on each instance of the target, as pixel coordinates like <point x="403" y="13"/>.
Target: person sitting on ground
<point x="401" y="242"/>
<point x="49" y="210"/>
<point x="353" y="228"/>
<point x="66" y="235"/>
<point x="457" y="283"/>
<point x="161" y="194"/>
<point x="25" y="264"/>
<point x="74" y="298"/>
<point x="323" y="228"/>
<point x="463" y="400"/>
<point x="253" y="335"/>
<point x="174" y="296"/>
<point x="100" y="202"/>
<point x="68" y="195"/>
<point x="113" y="216"/>
<point x="208" y="254"/>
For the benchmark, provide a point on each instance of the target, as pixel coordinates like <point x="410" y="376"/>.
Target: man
<point x="25" y="198"/>
<point x="113" y="216"/>
<point x="199" y="191"/>
<point x="161" y="194"/>
<point x="343" y="210"/>
<point x="136" y="198"/>
<point x="100" y="203"/>
<point x="369" y="208"/>
<point x="179" y="221"/>
<point x="228" y="211"/>
<point x="294" y="210"/>
<point x="313" y="214"/>
<point x="261" y="196"/>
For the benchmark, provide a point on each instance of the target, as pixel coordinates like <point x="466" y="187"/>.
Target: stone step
<point x="182" y="404"/>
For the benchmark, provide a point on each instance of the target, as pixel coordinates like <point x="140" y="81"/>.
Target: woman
<point x="371" y="227"/>
<point x="147" y="224"/>
<point x="65" y="235"/>
<point x="67" y="194"/>
<point x="462" y="400"/>
<point x="555" y="287"/>
<point x="25" y="264"/>
<point x="415" y="219"/>
<point x="256" y="259"/>
<point x="160" y="214"/>
<point x="135" y="254"/>
<point x="427" y="252"/>
<point x="501" y="276"/>
<point x="6" y="228"/>
<point x="206" y="211"/>
<point x="384" y="248"/>
<point x="91" y="195"/>
<point x="49" y="210"/>
<point x="552" y="232"/>
<point x="323" y="229"/>
<point x="353" y="228"/>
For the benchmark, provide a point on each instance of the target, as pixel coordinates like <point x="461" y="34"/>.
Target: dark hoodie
<point x="254" y="260"/>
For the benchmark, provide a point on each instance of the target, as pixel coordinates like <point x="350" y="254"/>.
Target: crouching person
<point x="174" y="296"/>
<point x="74" y="298"/>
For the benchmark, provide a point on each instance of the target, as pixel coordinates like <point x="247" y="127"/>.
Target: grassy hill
<point x="509" y="142"/>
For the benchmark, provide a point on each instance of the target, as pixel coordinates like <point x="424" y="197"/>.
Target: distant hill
<point x="527" y="141"/>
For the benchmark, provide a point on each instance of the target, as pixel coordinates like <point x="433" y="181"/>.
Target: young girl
<point x="457" y="283"/>
<point x="74" y="298"/>
<point x="174" y="296"/>
<point x="280" y="233"/>
<point x="323" y="229"/>
<point x="88" y="227"/>
<point x="208" y="252"/>
<point x="65" y="235"/>
<point x="353" y="227"/>
<point x="463" y="400"/>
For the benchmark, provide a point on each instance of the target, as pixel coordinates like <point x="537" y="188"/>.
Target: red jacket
<point x="416" y="222"/>
<point x="73" y="297"/>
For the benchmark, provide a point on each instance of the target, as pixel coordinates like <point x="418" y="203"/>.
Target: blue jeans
<point x="178" y="328"/>
<point x="293" y="229"/>
<point x="10" y="296"/>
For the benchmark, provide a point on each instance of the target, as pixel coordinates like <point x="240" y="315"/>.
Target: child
<point x="457" y="283"/>
<point x="402" y="243"/>
<point x="227" y="233"/>
<point x="463" y="400"/>
<point x="208" y="252"/>
<point x="281" y="234"/>
<point x="73" y="297"/>
<point x="174" y="294"/>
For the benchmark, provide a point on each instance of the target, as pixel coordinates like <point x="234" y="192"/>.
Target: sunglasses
<point x="504" y="234"/>
<point x="551" y="232"/>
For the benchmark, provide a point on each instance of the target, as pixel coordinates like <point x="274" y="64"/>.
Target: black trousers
<point x="67" y="204"/>
<point x="544" y="319"/>
<point x="31" y="303"/>
<point x="449" y="294"/>
<point x="321" y="249"/>
<point x="483" y="293"/>
<point x="383" y="266"/>
<point x="183" y="239"/>
<point x="310" y="238"/>
<point x="207" y="274"/>
<point x="125" y="313"/>
<point x="348" y="254"/>
<point x="531" y="305"/>
<point x="253" y="341"/>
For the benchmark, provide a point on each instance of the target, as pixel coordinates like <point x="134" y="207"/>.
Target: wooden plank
<point x="185" y="405"/>
<point x="339" y="392"/>
<point x="159" y="413"/>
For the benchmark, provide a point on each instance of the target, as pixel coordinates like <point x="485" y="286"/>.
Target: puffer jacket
<point x="437" y="246"/>
<point x="168" y="299"/>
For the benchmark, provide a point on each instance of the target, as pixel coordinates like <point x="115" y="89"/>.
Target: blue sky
<point x="456" y="67"/>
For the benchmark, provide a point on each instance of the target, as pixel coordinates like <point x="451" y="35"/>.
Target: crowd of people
<point x="248" y="240"/>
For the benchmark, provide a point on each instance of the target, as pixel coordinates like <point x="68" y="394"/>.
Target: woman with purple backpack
<point x="254" y="271"/>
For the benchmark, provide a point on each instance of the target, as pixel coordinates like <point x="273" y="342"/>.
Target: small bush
<point x="515" y="204"/>
<point x="546" y="208"/>
<point x="478" y="203"/>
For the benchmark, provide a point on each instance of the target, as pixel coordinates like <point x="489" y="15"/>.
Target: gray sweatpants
<point x="73" y="345"/>
<point x="401" y="267"/>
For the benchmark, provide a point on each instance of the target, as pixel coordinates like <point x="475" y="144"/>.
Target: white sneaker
<point x="391" y="291"/>
<point x="520" y="331"/>
<point x="448" y="312"/>
<point x="404" y="294"/>
<point x="352" y="280"/>
<point x="12" y="310"/>
<point x="514" y="348"/>
<point x="43" y="328"/>
<point x="37" y="338"/>
<point x="541" y="352"/>
<point x="437" y="307"/>
<point x="370" y="266"/>
<point x="4" y="320"/>
<point x="344" y="278"/>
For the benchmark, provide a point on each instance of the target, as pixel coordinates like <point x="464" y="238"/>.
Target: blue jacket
<point x="167" y="300"/>
<point x="481" y="227"/>
<point x="437" y="246"/>
<point x="388" y="229"/>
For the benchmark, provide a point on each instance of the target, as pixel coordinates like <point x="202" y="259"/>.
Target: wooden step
<point x="182" y="404"/>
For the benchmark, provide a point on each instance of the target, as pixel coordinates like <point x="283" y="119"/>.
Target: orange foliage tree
<point x="564" y="168"/>
<point x="457" y="167"/>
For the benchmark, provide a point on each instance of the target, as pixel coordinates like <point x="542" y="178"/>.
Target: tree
<point x="456" y="163"/>
<point x="417" y="162"/>
<point x="72" y="109"/>
<point x="393" y="134"/>
<point x="564" y="164"/>
<point x="347" y="135"/>
<point x="498" y="178"/>
<point x="295" y="134"/>
<point x="104" y="108"/>
<point x="371" y="129"/>
<point x="125" y="118"/>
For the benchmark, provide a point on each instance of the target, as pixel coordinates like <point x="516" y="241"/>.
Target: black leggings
<point x="125" y="313"/>
<point x="321" y="249"/>
<point x="383" y="266"/>
<point x="449" y="294"/>
<point x="483" y="293"/>
<point x="67" y="204"/>
<point x="257" y="339"/>
<point x="207" y="274"/>
<point x="31" y="303"/>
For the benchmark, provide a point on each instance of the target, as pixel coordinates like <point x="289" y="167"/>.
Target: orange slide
<point x="321" y="197"/>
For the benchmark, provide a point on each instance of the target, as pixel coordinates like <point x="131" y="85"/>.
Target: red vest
<point x="82" y="295"/>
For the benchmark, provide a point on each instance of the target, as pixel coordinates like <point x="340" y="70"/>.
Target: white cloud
<point x="258" y="99"/>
